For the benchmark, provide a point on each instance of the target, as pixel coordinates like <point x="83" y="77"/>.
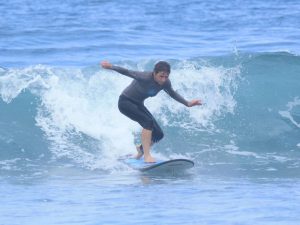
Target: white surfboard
<point x="173" y="165"/>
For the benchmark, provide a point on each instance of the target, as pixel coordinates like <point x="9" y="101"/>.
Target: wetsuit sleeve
<point x="137" y="75"/>
<point x="170" y="91"/>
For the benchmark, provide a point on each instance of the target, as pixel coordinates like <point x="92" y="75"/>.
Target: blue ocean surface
<point x="61" y="133"/>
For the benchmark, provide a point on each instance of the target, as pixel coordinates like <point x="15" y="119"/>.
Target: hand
<point x="106" y="65"/>
<point x="194" y="102"/>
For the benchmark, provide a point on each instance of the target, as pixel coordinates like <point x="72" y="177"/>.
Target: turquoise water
<point x="61" y="133"/>
<point x="138" y="199"/>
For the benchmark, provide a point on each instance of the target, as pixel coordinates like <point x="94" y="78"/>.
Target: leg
<point x="134" y="112"/>
<point x="146" y="142"/>
<point x="140" y="151"/>
<point x="157" y="133"/>
<point x="140" y="114"/>
<point x="152" y="135"/>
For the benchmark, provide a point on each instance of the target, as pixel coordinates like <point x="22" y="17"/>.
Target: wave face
<point x="249" y="123"/>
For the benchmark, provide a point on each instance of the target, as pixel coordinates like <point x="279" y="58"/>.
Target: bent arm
<point x="170" y="91"/>
<point x="179" y="98"/>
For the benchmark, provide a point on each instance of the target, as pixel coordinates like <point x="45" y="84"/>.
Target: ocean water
<point x="61" y="133"/>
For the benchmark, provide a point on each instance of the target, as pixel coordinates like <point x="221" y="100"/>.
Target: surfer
<point x="131" y="101"/>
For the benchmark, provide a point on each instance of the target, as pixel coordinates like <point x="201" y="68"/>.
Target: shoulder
<point x="167" y="84"/>
<point x="148" y="74"/>
<point x="145" y="75"/>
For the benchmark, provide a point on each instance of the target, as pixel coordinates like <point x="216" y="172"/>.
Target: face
<point x="161" y="77"/>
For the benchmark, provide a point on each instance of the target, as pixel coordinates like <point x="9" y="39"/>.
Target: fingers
<point x="194" y="103"/>
<point x="105" y="64"/>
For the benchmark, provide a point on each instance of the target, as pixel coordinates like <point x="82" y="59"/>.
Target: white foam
<point x="76" y="103"/>
<point x="271" y="169"/>
<point x="242" y="153"/>
<point x="287" y="113"/>
<point x="215" y="86"/>
<point x="88" y="106"/>
<point x="14" y="81"/>
<point x="9" y="164"/>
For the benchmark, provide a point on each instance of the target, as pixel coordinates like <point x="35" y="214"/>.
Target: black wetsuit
<point x="131" y="101"/>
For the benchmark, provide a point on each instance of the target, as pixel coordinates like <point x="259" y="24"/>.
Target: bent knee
<point x="148" y="124"/>
<point x="157" y="136"/>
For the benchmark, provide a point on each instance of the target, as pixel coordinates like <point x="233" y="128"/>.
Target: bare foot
<point x="149" y="159"/>
<point x="140" y="152"/>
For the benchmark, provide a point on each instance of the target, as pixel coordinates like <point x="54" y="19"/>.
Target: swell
<point x="249" y="120"/>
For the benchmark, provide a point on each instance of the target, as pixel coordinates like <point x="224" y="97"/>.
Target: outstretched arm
<point x="130" y="73"/>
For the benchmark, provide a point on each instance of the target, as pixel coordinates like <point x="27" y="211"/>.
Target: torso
<point x="139" y="90"/>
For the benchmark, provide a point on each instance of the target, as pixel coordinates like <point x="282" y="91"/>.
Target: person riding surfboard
<point x="131" y="101"/>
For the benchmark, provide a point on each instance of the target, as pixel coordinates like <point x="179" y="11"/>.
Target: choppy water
<point x="61" y="132"/>
<point x="81" y="32"/>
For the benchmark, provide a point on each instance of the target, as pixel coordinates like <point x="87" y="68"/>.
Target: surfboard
<point x="172" y="165"/>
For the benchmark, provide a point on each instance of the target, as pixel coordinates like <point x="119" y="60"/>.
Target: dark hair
<point x="162" y="66"/>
